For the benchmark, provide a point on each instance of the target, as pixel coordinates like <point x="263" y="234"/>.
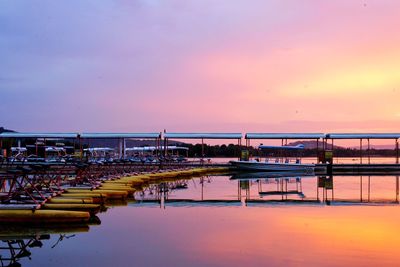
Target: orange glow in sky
<point x="268" y="66"/>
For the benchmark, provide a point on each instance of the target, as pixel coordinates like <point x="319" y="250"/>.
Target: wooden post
<point x="397" y="151"/>
<point x="360" y="150"/>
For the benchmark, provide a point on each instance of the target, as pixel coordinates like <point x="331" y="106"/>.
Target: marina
<point x="43" y="187"/>
<point x="199" y="133"/>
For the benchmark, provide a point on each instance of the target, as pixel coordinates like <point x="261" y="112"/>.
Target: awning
<point x="38" y="135"/>
<point x="284" y="135"/>
<point x="120" y="135"/>
<point x="203" y="135"/>
<point x="363" y="135"/>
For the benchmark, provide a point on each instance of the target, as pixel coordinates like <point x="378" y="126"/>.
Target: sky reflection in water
<point x="184" y="231"/>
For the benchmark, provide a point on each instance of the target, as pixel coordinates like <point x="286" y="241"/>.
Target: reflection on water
<point x="237" y="220"/>
<point x="18" y="242"/>
<point x="244" y="189"/>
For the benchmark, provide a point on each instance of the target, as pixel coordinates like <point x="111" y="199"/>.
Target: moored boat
<point x="280" y="164"/>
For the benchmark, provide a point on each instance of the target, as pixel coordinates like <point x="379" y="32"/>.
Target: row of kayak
<point x="79" y="204"/>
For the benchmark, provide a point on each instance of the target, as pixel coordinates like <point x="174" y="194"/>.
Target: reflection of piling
<point x="326" y="183"/>
<point x="326" y="157"/>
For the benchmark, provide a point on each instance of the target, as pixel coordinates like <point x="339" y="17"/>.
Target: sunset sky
<point x="208" y="66"/>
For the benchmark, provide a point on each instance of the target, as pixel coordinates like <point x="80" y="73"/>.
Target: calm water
<point x="341" y="160"/>
<point x="220" y="221"/>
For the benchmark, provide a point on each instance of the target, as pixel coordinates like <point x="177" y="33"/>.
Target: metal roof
<point x="363" y="135"/>
<point x="121" y="135"/>
<point x="38" y="135"/>
<point x="203" y="135"/>
<point x="284" y="135"/>
<point x="152" y="148"/>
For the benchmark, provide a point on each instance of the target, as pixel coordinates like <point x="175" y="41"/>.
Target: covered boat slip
<point x="79" y="138"/>
<point x="325" y="141"/>
<point x="203" y="136"/>
<point x="281" y="162"/>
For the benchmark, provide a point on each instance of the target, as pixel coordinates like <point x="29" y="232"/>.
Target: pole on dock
<point x="397" y="151"/>
<point x="240" y="147"/>
<point x="369" y="155"/>
<point x="360" y="150"/>
<point x="124" y="148"/>
<point x="202" y="150"/>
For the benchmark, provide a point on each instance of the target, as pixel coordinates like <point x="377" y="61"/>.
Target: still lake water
<point x="220" y="221"/>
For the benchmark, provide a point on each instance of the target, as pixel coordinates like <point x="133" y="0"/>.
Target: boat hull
<point x="272" y="167"/>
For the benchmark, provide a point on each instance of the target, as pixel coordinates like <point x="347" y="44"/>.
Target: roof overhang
<point x="284" y="135"/>
<point x="120" y="135"/>
<point x="38" y="135"/>
<point x="363" y="136"/>
<point x="203" y="135"/>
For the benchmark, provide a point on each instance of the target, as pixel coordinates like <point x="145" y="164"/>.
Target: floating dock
<point x="77" y="204"/>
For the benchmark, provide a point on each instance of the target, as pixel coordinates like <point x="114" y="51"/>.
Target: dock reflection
<point x="269" y="188"/>
<point x="18" y="242"/>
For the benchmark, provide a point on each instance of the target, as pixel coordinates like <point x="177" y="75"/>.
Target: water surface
<point x="220" y="221"/>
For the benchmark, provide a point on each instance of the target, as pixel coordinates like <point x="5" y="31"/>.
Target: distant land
<point x="313" y="145"/>
<point x="4" y="130"/>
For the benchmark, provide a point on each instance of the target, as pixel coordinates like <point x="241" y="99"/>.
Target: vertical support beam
<point x="165" y="146"/>
<point x="360" y="150"/>
<point x="124" y="148"/>
<point x="120" y="148"/>
<point x="80" y="146"/>
<point x="369" y="154"/>
<point x="44" y="144"/>
<point x="397" y="151"/>
<point x="317" y="149"/>
<point x="202" y="148"/>
<point x="333" y="154"/>
<point x="156" y="146"/>
<point x="240" y="147"/>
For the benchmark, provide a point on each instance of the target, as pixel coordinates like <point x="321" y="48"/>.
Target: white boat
<point x="281" y="164"/>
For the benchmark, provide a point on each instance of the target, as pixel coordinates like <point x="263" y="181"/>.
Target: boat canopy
<point x="284" y="135"/>
<point x="152" y="148"/>
<point x="121" y="135"/>
<point x="98" y="149"/>
<point x="300" y="146"/>
<point x="203" y="135"/>
<point x="363" y="136"/>
<point x="19" y="149"/>
<point x="54" y="149"/>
